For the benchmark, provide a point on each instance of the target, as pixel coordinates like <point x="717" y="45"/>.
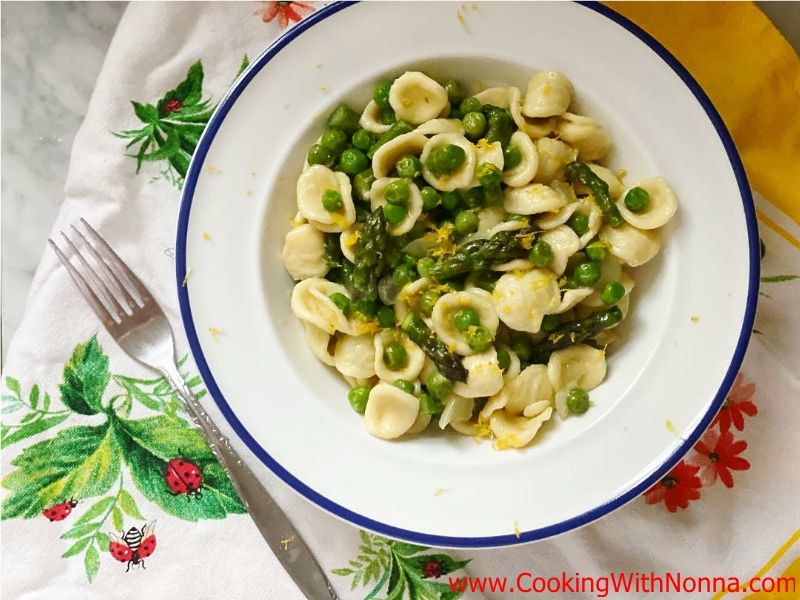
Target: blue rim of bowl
<point x="441" y="540"/>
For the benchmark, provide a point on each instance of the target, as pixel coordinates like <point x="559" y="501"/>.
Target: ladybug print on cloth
<point x="59" y="512"/>
<point x="183" y="477"/>
<point x="134" y="546"/>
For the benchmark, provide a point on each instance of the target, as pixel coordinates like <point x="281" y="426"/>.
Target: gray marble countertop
<point x="51" y="55"/>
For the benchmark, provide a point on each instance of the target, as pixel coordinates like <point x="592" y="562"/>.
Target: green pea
<point x="450" y="200"/>
<point x="387" y="116"/>
<point x="493" y="195"/>
<point x="362" y="183"/>
<point x="541" y="254"/>
<point x="405" y="385"/>
<point x="381" y="94"/>
<point x="522" y="347"/>
<point x="612" y="292"/>
<point x="358" y="398"/>
<point x="488" y="175"/>
<point x="341" y="301"/>
<point x="466" y="318"/>
<point x="455" y="93"/>
<point x="397" y="191"/>
<point x="344" y="118"/>
<point x="579" y="222"/>
<point x="368" y="308"/>
<point x="412" y="326"/>
<point x="409" y="261"/>
<point x="394" y="213"/>
<point x="428" y="405"/>
<point x="445" y="159"/>
<point x="578" y="401"/>
<point x="362" y="139"/>
<point x="430" y="197"/>
<point x="474" y="124"/>
<point x="427" y="301"/>
<point x="334" y="139"/>
<point x="470" y="104"/>
<point x="402" y="275"/>
<point x="500" y="127"/>
<point x="596" y="251"/>
<point x="395" y="356"/>
<point x="353" y="161"/>
<point x="424" y="266"/>
<point x="503" y="359"/>
<point x="512" y="157"/>
<point x="550" y="323"/>
<point x="320" y="155"/>
<point x="409" y="166"/>
<point x="586" y="273"/>
<point x="386" y="317"/>
<point x="332" y="200"/>
<point x="466" y="222"/>
<point x="637" y="199"/>
<point x="472" y="197"/>
<point x="439" y="386"/>
<point x="479" y="339"/>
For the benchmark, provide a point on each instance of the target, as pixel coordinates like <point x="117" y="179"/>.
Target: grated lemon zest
<point x="213" y="170"/>
<point x="439" y="491"/>
<point x="206" y="236"/>
<point x="214" y="331"/>
<point x="695" y="319"/>
<point x="285" y="541"/>
<point x="517" y="531"/>
<point x="186" y="277"/>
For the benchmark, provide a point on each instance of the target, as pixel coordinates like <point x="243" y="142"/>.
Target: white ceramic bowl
<point x="292" y="411"/>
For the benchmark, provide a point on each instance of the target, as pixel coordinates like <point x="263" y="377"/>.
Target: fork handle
<point x="273" y="524"/>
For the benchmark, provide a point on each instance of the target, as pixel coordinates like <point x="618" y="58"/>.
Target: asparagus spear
<point x="362" y="283"/>
<point x="575" y="332"/>
<point x="479" y="254"/>
<point x="578" y="171"/>
<point x="448" y="363"/>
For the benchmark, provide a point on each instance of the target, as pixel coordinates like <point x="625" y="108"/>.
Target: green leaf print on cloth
<point x="91" y="469"/>
<point x="173" y="125"/>
<point x="400" y="570"/>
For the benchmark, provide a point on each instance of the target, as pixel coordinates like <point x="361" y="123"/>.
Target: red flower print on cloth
<point x="677" y="489"/>
<point x="716" y="455"/>
<point x="736" y="405"/>
<point x="285" y="11"/>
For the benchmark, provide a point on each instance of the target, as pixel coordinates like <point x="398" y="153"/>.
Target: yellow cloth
<point x="752" y="76"/>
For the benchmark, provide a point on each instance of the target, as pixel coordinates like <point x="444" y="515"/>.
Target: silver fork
<point x="137" y="323"/>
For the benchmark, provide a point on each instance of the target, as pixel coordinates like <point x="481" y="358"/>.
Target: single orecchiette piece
<point x="585" y="134"/>
<point x="588" y="207"/>
<point x="516" y="432"/>
<point x="532" y="199"/>
<point x="487" y="153"/>
<point x="579" y="365"/>
<point x="371" y="119"/>
<point x="387" y="155"/>
<point x="522" y="299"/>
<point x="460" y="178"/>
<point x="437" y="126"/>
<point x="416" y="358"/>
<point x="553" y="157"/>
<point x="377" y="198"/>
<point x="496" y="96"/>
<point x="571" y="298"/>
<point x="391" y="412"/>
<point x="549" y="94"/>
<point x="417" y="98"/>
<point x="564" y="243"/>
<point x="311" y="302"/>
<point x="311" y="185"/>
<point x="319" y="340"/>
<point x="514" y="366"/>
<point x="484" y="376"/>
<point x="420" y="424"/>
<point x="516" y="264"/>
<point x="535" y="128"/>
<point x="552" y="220"/>
<point x="303" y="252"/>
<point x="661" y="206"/>
<point x="528" y="387"/>
<point x="445" y="310"/>
<point x="631" y="245"/>
<point x="456" y="409"/>
<point x="525" y="171"/>
<point x="347" y="241"/>
<point x="354" y="356"/>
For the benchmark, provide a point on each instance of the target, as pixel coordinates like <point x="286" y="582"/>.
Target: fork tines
<point x="110" y="287"/>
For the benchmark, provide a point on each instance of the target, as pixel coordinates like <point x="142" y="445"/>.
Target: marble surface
<point x="51" y="55"/>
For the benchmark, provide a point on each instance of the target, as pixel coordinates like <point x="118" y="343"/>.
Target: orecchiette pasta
<point x="304" y="252"/>
<point x="417" y="98"/>
<point x="390" y="412"/>
<point x="662" y="204"/>
<point x="495" y="292"/>
<point x="549" y="94"/>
